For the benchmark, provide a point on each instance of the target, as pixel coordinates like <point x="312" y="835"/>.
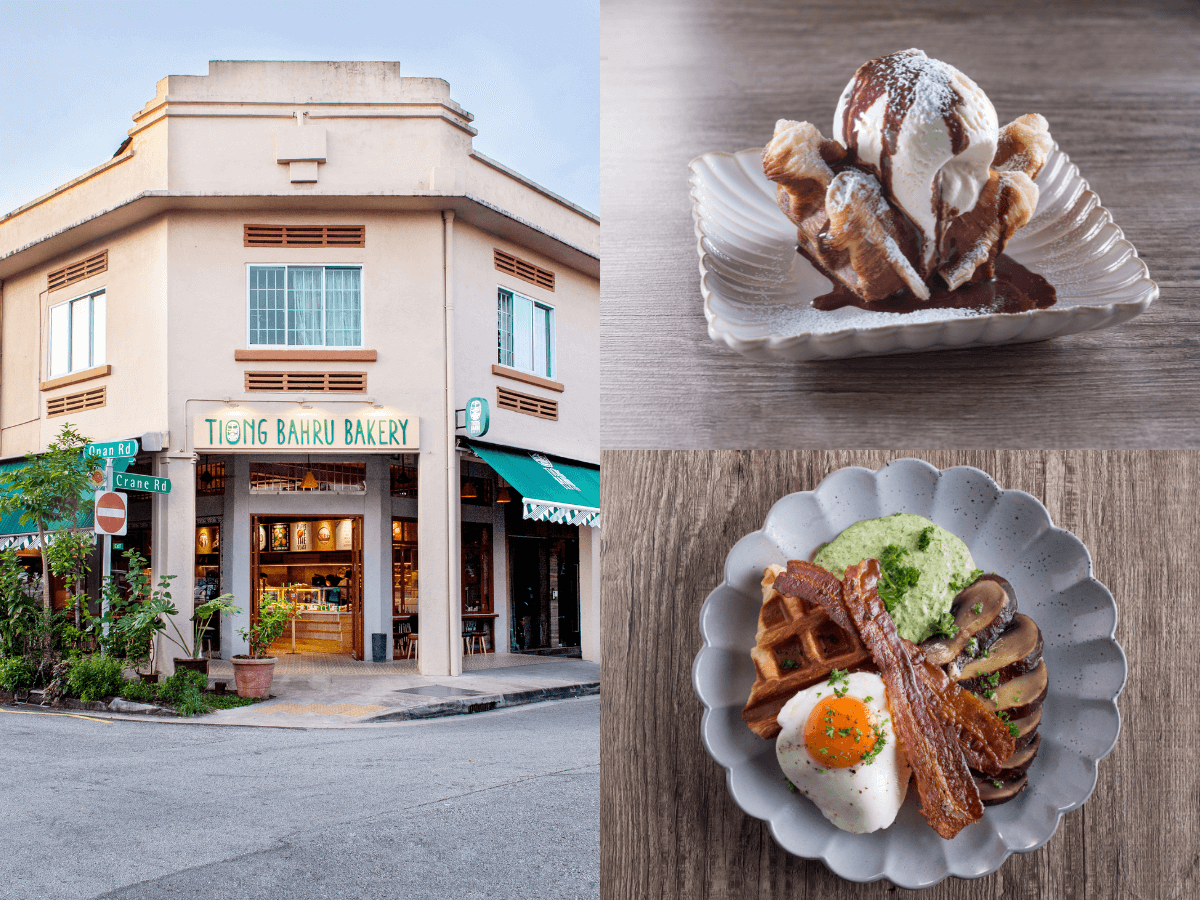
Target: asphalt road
<point x="495" y="805"/>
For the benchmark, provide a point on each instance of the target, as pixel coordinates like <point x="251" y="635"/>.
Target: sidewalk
<point x="320" y="691"/>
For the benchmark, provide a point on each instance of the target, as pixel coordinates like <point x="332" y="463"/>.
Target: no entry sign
<point x="111" y="512"/>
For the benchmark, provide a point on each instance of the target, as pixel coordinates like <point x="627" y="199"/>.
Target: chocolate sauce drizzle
<point x="1013" y="289"/>
<point x="899" y="76"/>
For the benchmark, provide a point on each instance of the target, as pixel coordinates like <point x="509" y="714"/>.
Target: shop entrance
<point x="544" y="575"/>
<point x="313" y="566"/>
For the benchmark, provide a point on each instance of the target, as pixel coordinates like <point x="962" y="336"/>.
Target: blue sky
<point x="73" y="74"/>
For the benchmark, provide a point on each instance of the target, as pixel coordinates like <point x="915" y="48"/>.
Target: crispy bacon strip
<point x="949" y="798"/>
<point x="811" y="582"/>
<point x="983" y="739"/>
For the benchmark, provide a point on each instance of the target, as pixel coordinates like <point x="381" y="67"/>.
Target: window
<point x="305" y="306"/>
<point x="77" y="334"/>
<point x="525" y="334"/>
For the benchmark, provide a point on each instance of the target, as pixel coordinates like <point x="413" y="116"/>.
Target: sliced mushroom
<point x="1028" y="724"/>
<point x="1024" y="740"/>
<point x="997" y="603"/>
<point x="1014" y="653"/>
<point x="1019" y="762"/>
<point x="993" y="793"/>
<point x="1023" y="695"/>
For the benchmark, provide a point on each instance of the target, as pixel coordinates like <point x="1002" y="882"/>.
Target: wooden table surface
<point x="1120" y="86"/>
<point x="668" y="826"/>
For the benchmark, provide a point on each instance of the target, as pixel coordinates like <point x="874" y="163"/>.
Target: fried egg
<point x="839" y="749"/>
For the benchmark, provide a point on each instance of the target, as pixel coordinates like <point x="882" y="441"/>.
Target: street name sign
<point x="150" y="483"/>
<point x="111" y="513"/>
<point x="114" y="449"/>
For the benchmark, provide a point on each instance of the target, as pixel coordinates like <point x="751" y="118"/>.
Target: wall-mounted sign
<point x="307" y="430"/>
<point x="477" y="417"/>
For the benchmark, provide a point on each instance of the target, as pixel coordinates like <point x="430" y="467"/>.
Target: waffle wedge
<point x="797" y="644"/>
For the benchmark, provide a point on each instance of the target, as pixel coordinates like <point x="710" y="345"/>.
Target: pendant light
<point x="469" y="491"/>
<point x="309" y="483"/>
<point x="505" y="495"/>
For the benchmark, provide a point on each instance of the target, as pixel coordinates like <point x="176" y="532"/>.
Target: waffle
<point x="797" y="645"/>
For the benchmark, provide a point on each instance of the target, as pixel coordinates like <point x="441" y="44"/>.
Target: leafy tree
<point x="48" y="491"/>
<point x="18" y="608"/>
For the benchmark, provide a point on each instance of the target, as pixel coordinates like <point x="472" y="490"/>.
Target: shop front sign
<point x="478" y="419"/>
<point x="307" y="430"/>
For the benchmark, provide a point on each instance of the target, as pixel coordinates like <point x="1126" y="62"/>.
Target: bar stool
<point x="471" y="640"/>
<point x="412" y="650"/>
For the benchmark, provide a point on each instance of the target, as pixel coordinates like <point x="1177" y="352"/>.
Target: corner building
<point x="294" y="283"/>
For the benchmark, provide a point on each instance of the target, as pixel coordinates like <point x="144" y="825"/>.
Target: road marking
<point x="25" y="712"/>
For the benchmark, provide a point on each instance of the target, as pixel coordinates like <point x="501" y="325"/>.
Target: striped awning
<point x="552" y="489"/>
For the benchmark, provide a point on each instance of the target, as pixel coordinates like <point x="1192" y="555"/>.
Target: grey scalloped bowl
<point x="1008" y="532"/>
<point x="758" y="290"/>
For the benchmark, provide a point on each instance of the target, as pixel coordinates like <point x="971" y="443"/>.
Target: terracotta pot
<point x="253" y="676"/>
<point x="196" y="665"/>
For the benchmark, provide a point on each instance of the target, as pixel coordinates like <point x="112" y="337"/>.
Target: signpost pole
<point x="106" y="561"/>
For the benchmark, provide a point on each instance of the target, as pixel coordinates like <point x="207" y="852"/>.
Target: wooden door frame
<point x="356" y="565"/>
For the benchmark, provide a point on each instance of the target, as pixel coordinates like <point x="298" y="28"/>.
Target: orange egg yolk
<point x="839" y="732"/>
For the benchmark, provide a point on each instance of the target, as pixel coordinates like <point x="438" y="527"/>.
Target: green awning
<point x="18" y="536"/>
<point x="553" y="489"/>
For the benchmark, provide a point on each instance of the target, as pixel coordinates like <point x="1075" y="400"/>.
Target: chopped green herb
<point x="972" y="647"/>
<point x="843" y="732"/>
<point x="823" y="750"/>
<point x="820" y="771"/>
<point x="946" y="626"/>
<point x="977" y="608"/>
<point x="1013" y="729"/>
<point x="788" y="664"/>
<point x="990" y="695"/>
<point x="868" y="699"/>
<point x="992" y="680"/>
<point x="925" y="537"/>
<point x="791" y="787"/>
<point x="895" y="576"/>
<point x="829" y="731"/>
<point x="997" y="782"/>
<point x="880" y="741"/>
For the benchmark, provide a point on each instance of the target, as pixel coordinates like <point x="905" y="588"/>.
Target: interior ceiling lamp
<point x="505" y="495"/>
<point x="469" y="492"/>
<point x="309" y="483"/>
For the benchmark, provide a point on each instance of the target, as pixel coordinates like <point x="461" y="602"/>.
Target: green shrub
<point x="185" y="691"/>
<point x="95" y="677"/>
<point x="15" y="674"/>
<point x="138" y="691"/>
<point x="229" y="701"/>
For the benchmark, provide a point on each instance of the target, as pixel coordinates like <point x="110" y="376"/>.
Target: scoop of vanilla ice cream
<point x="929" y="132"/>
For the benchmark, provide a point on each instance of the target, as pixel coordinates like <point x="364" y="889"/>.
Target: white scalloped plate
<point x="1008" y="532"/>
<point x="758" y="290"/>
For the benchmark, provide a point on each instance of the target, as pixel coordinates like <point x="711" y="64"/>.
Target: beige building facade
<point x="289" y="284"/>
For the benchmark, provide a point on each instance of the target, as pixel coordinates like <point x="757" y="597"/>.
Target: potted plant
<point x="253" y="671"/>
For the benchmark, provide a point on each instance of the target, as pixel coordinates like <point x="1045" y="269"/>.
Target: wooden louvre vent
<point x="304" y="236"/>
<point x="73" y="403"/>
<point x="527" y="404"/>
<point x="526" y="271"/>
<point x="308" y="382"/>
<point x="85" y="268"/>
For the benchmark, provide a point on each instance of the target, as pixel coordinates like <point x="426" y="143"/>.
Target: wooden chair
<point x="412" y="649"/>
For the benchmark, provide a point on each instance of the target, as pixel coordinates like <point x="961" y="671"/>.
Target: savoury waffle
<point x="796" y="645"/>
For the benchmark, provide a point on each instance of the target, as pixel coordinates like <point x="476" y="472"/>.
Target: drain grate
<point x="437" y="690"/>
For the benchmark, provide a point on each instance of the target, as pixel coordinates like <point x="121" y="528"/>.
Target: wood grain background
<point x="1120" y="86"/>
<point x="668" y="826"/>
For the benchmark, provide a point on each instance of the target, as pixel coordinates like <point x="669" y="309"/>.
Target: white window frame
<point x="94" y="358"/>
<point x="362" y="303"/>
<point x="550" y="327"/>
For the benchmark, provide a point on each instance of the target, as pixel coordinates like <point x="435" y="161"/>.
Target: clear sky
<point x="73" y="74"/>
